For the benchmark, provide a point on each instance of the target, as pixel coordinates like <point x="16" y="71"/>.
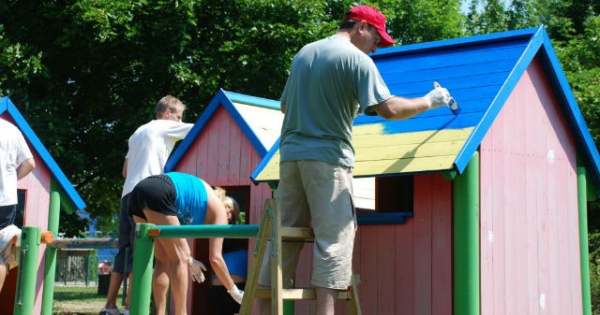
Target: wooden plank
<point x="510" y="51"/>
<point x="237" y="148"/>
<point x="406" y="151"/>
<point x="486" y="225"/>
<point x="364" y="134"/>
<point x="422" y="242"/>
<point x="442" y="286"/>
<point x="224" y="124"/>
<point x="404" y="259"/>
<point x="297" y="234"/>
<point x="300" y="294"/>
<point x="434" y="163"/>
<point x="369" y="286"/>
<point x="386" y="269"/>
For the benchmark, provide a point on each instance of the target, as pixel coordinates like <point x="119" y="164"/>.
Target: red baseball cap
<point x="374" y="18"/>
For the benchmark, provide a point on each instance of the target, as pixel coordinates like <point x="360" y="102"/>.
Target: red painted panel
<point x="405" y="267"/>
<point x="442" y="286"/>
<point x="422" y="238"/>
<point x="529" y="229"/>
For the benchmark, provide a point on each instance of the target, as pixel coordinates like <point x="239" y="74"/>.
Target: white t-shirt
<point x="150" y="147"/>
<point x="13" y="152"/>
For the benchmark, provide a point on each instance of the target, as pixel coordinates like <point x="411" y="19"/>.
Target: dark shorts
<point x="156" y="193"/>
<point x="7" y="215"/>
<point x="221" y="301"/>
<point x="124" y="258"/>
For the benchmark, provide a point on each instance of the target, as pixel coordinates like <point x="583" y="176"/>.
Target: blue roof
<point x="481" y="72"/>
<point x="7" y="106"/>
<point x="228" y="100"/>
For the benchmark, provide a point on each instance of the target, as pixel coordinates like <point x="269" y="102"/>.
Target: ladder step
<point x="297" y="233"/>
<point x="299" y="294"/>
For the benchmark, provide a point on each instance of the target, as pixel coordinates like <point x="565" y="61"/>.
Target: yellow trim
<point x="378" y="153"/>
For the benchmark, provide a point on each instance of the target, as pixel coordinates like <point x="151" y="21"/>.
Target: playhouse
<point x="478" y="213"/>
<point x="42" y="195"/>
<point x="227" y="142"/>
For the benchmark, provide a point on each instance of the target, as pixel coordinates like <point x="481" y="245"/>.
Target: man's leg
<point x="325" y="300"/>
<point x="293" y="210"/>
<point x="171" y="259"/>
<point x="2" y="275"/>
<point x="116" y="279"/>
<point x="329" y="191"/>
<point x="126" y="227"/>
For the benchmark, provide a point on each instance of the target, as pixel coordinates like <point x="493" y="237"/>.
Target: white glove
<point x="196" y="267"/>
<point x="236" y="294"/>
<point x="437" y="97"/>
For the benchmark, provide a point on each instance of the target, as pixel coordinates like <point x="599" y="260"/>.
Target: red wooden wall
<point x="223" y="156"/>
<point x="37" y="202"/>
<point x="404" y="269"/>
<point x="529" y="217"/>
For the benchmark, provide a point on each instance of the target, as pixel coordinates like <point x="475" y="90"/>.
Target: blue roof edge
<point x="199" y="125"/>
<point x="226" y="99"/>
<point x="60" y="177"/>
<point x="584" y="138"/>
<point x="252" y="100"/>
<point x="265" y="160"/>
<point x="456" y="42"/>
<point x="474" y="140"/>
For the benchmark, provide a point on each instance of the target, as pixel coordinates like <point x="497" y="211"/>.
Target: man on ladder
<point x="331" y="80"/>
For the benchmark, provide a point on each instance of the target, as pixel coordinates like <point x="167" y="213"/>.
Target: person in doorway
<point x="330" y="82"/>
<point x="16" y="162"/>
<point x="235" y="254"/>
<point x="149" y="148"/>
<point x="181" y="199"/>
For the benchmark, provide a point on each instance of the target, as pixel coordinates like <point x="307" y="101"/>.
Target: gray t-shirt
<point x="329" y="78"/>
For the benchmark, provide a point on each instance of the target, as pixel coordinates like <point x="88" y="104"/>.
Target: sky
<point x="465" y="4"/>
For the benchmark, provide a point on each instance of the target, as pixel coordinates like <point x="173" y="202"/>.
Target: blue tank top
<point x="191" y="200"/>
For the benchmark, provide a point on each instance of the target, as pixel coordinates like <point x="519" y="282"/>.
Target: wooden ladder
<point x="271" y="229"/>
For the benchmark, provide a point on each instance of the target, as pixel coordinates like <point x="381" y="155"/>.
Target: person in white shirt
<point x="16" y="161"/>
<point x="149" y="148"/>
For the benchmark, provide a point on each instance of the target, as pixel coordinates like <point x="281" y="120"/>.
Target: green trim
<point x="466" y="240"/>
<point x="50" y="260"/>
<point x="28" y="267"/>
<point x="582" y="200"/>
<point x="141" y="286"/>
<point x="450" y="175"/>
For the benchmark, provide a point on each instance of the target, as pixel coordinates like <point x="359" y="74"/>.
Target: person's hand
<point x="236" y="294"/>
<point x="437" y="97"/>
<point x="196" y="267"/>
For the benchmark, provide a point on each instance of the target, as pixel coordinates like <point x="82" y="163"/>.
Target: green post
<point x="141" y="286"/>
<point x="50" y="260"/>
<point x="28" y="267"/>
<point x="583" y="241"/>
<point x="466" y="240"/>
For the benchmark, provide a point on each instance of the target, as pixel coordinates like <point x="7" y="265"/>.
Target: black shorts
<point x="7" y="215"/>
<point x="221" y="301"/>
<point x="156" y="193"/>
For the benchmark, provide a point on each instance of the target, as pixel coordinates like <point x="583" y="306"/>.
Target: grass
<point x="78" y="300"/>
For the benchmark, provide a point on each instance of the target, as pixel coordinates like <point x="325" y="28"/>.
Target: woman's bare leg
<point x="173" y="254"/>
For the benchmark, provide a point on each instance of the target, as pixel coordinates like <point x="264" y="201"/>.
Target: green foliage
<point x="86" y="73"/>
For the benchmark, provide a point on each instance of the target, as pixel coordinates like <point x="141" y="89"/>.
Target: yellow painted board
<point x="382" y="139"/>
<point x="378" y="153"/>
<point x="271" y="170"/>
<point x="404" y="151"/>
<point x="395" y="166"/>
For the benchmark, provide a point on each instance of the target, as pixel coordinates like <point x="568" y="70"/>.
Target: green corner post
<point x="141" y="286"/>
<point x="50" y="260"/>
<point x="28" y="265"/>
<point x="466" y="240"/>
<point x="583" y="241"/>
